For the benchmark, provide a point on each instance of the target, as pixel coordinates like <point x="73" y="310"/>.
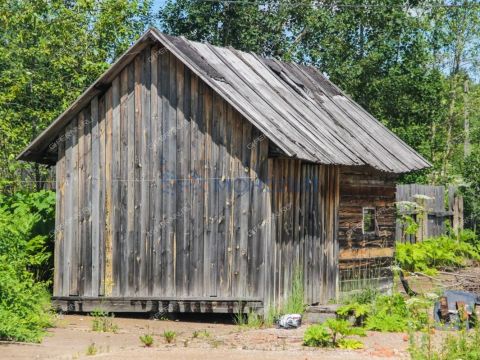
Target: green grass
<point x="169" y="336"/>
<point x="92" y="350"/>
<point x="103" y="322"/>
<point x="293" y="304"/>
<point x="147" y="340"/>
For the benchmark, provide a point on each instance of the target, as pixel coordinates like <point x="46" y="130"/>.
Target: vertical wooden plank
<point x="335" y="232"/>
<point x="145" y="242"/>
<point x="116" y="253"/>
<point x="74" y="208"/>
<point x="109" y="206"/>
<point x="221" y="187"/>
<point x="229" y="201"/>
<point x="68" y="210"/>
<point x="170" y="153"/>
<point x="95" y="196"/>
<point x="182" y="202"/>
<point x="87" y="239"/>
<point x="198" y="173"/>
<point x="262" y="203"/>
<point x="102" y="184"/>
<point x="235" y="228"/>
<point x="159" y="226"/>
<point x="59" y="255"/>
<point x="208" y="232"/>
<point x="245" y="210"/>
<point x="269" y="238"/>
<point x="130" y="180"/>
<point x="154" y="171"/>
<point x="253" y="231"/>
<point x="194" y="187"/>
<point x="138" y="63"/>
<point x="184" y="129"/>
<point x="123" y="186"/>
<point x="225" y="231"/>
<point x="81" y="218"/>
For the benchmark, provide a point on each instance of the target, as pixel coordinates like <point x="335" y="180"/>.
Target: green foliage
<point x="91" y="350"/>
<point x="333" y="333"/>
<point x="460" y="345"/>
<point x="470" y="189"/>
<point x="26" y="233"/>
<point x="357" y="310"/>
<point x="24" y="304"/>
<point x="200" y="334"/>
<point x="364" y="296"/>
<point x="405" y="64"/>
<point x="103" y="321"/>
<point x="169" y="336"/>
<point x="50" y="51"/>
<point x="392" y="313"/>
<point x="27" y="222"/>
<point x="437" y="253"/>
<point x="295" y="303"/>
<point x="147" y="340"/>
<point x="317" y="336"/>
<point x="251" y="320"/>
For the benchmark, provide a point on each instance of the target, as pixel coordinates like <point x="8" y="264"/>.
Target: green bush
<point x="357" y="310"/>
<point x="392" y="313"/>
<point x="24" y="304"/>
<point x="26" y="234"/>
<point x="433" y="254"/>
<point x="27" y="222"/>
<point x="333" y="333"/>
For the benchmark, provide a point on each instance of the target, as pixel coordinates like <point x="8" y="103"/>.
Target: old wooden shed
<point x="191" y="177"/>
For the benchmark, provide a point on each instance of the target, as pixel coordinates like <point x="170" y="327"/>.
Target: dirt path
<point x="73" y="336"/>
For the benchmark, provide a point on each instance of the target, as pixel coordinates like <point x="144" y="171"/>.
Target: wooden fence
<point x="430" y="207"/>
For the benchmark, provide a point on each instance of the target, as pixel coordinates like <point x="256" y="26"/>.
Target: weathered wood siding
<point x="159" y="182"/>
<point x="364" y="259"/>
<point x="165" y="191"/>
<point x="303" y="240"/>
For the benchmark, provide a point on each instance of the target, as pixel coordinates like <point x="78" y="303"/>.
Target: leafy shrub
<point x="392" y="313"/>
<point x="365" y="296"/>
<point x="333" y="333"/>
<point x="27" y="222"/>
<point x="317" y="336"/>
<point x="24" y="304"/>
<point x="358" y="311"/>
<point x="26" y="234"/>
<point x="436" y="253"/>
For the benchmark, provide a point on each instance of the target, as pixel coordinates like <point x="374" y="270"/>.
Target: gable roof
<point x="295" y="106"/>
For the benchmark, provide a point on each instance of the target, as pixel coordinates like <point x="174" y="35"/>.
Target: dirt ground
<point x="221" y="340"/>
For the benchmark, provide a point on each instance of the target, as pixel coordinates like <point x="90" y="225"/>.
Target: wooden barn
<point x="193" y="178"/>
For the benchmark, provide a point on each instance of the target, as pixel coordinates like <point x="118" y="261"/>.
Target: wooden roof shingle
<point x="295" y="106"/>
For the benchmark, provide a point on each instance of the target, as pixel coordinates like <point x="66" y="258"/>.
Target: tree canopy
<point x="50" y="51"/>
